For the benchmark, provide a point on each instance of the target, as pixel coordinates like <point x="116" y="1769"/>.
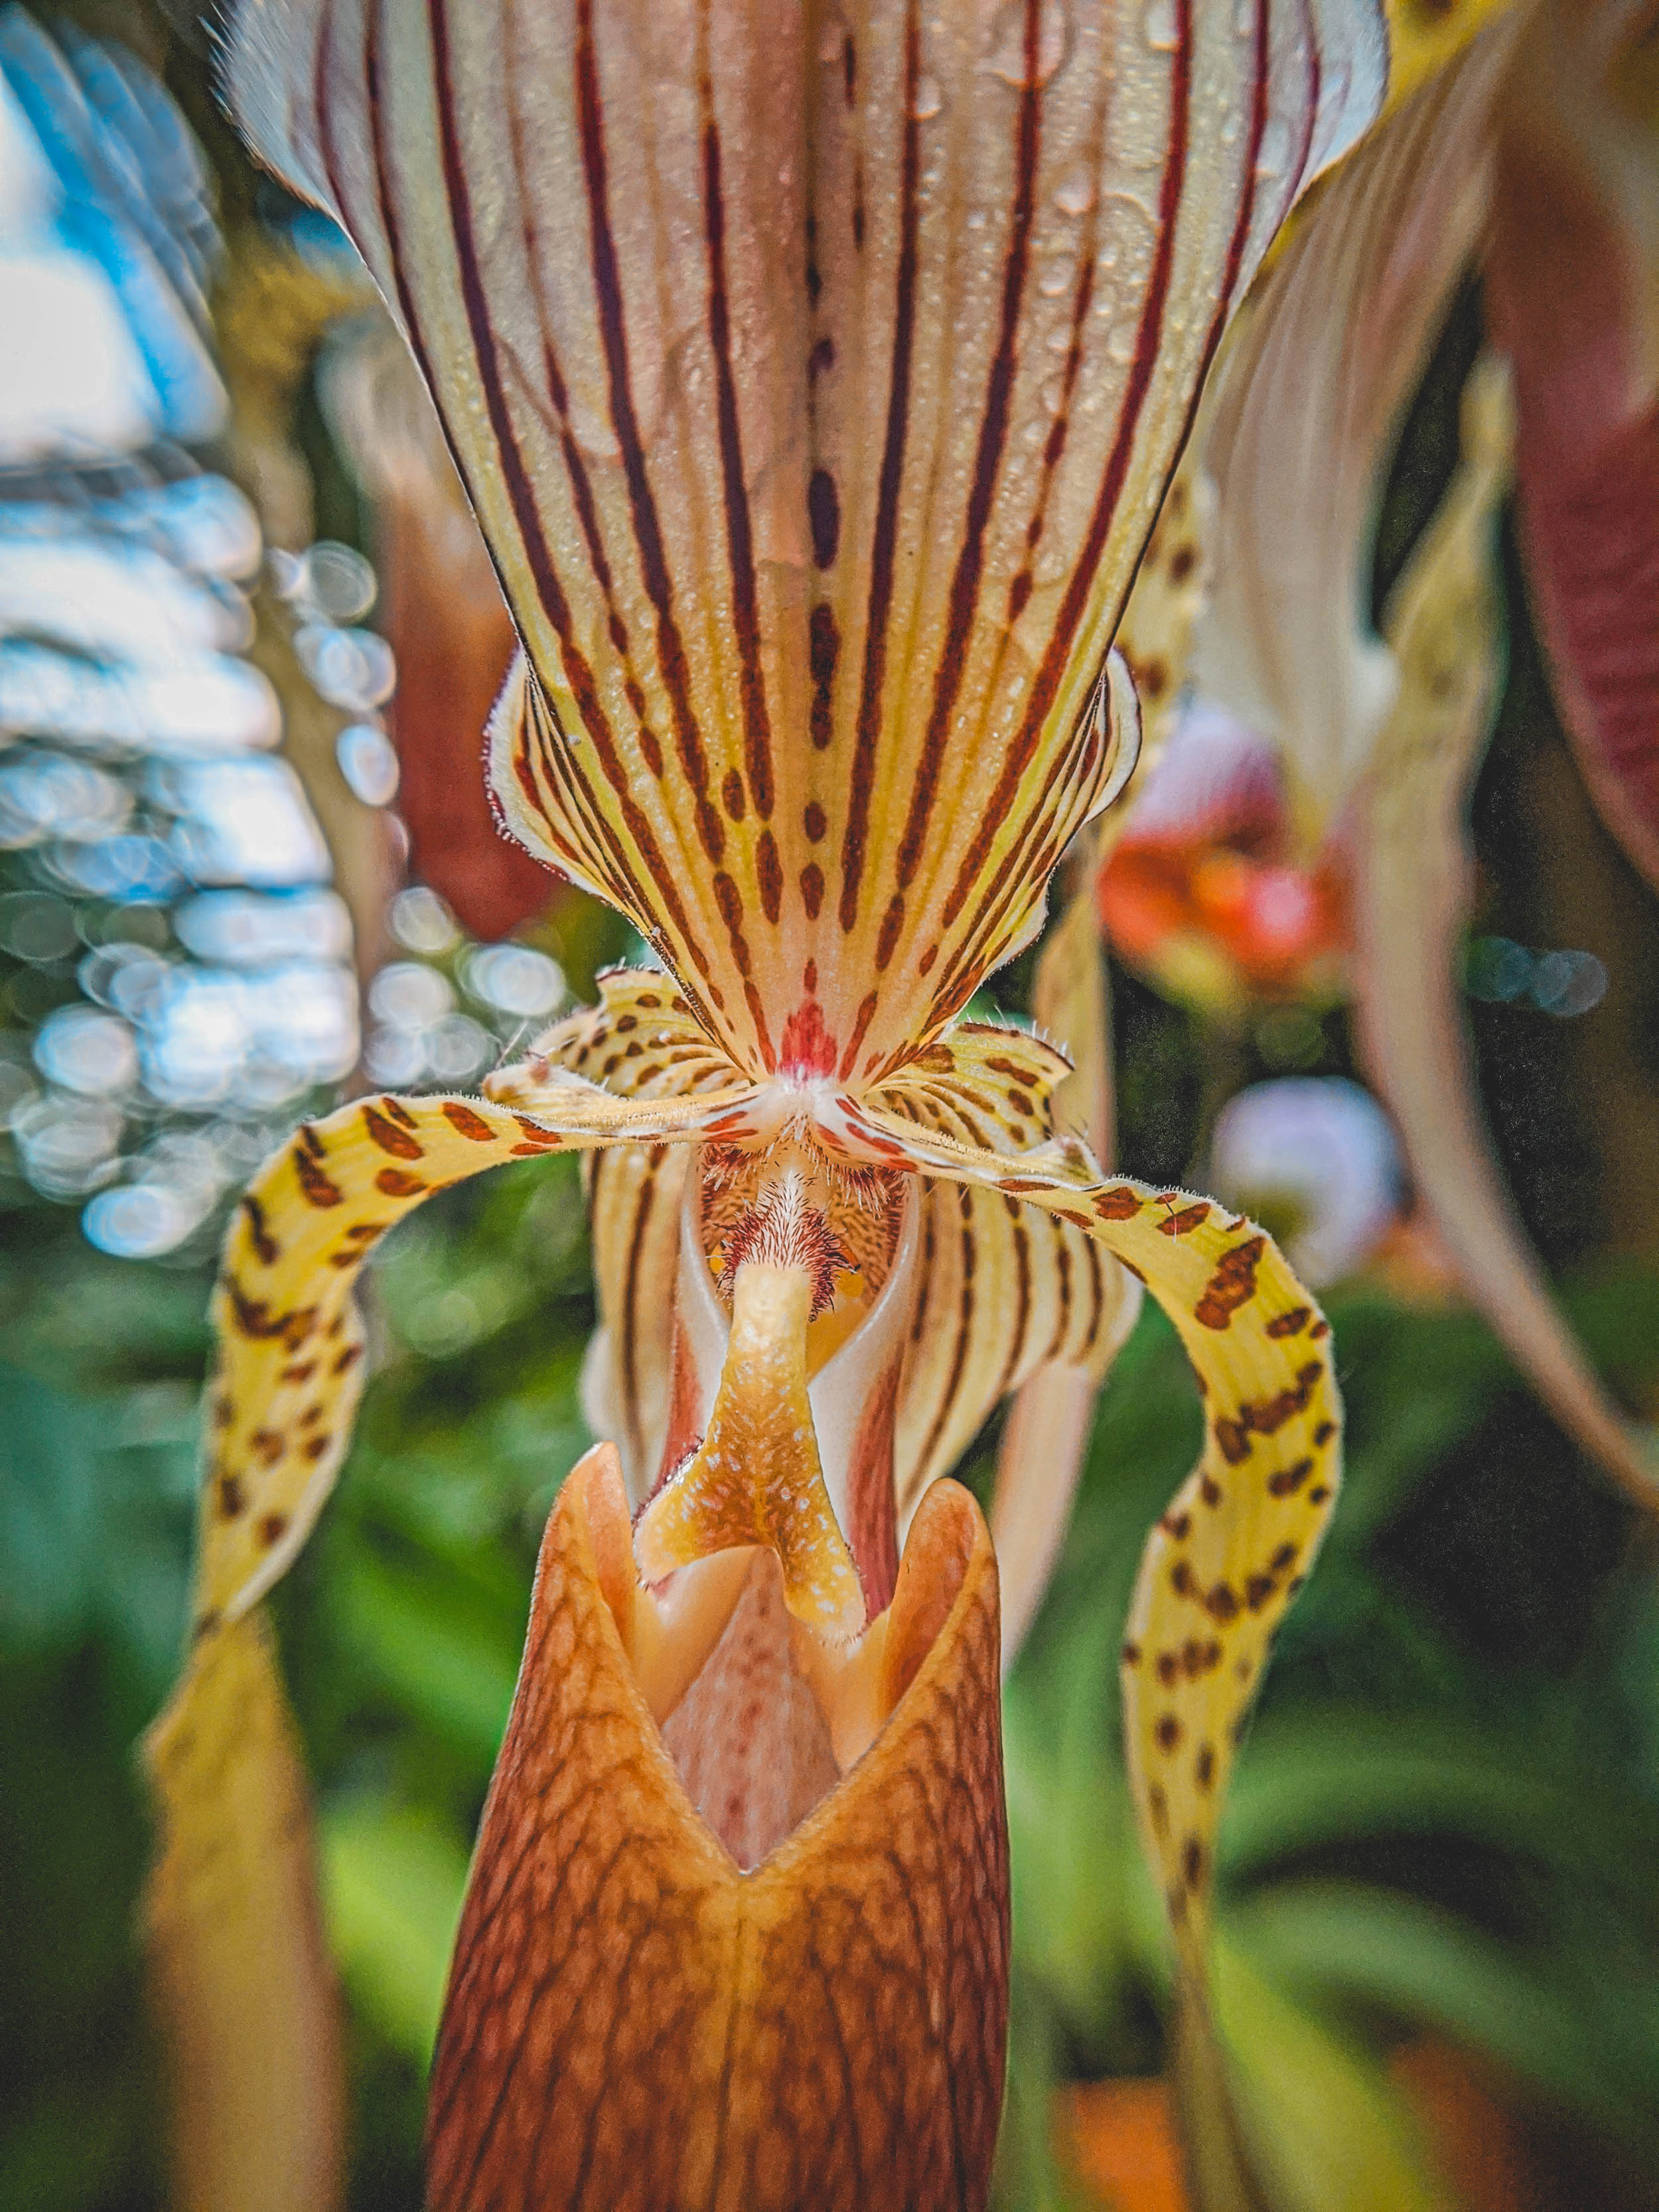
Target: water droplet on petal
<point x="1008" y="57"/>
<point x="1076" y="194"/>
<point x="1161" y="25"/>
<point x="928" y="100"/>
<point x="1275" y="148"/>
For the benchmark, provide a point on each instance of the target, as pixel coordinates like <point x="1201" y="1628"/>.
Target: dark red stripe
<point x="1017" y="878"/>
<point x="964" y="1329"/>
<point x="960" y="970"/>
<point x="576" y="468"/>
<point x="383" y="193"/>
<point x="550" y="591"/>
<point x="739" y="537"/>
<point x="631" y="1295"/>
<point x="521" y="493"/>
<point x="992" y="437"/>
<point x="1147" y="338"/>
<point x="884" y="542"/>
<point x="1241" y="237"/>
<point x="647" y="530"/>
<point x="1021" y="1244"/>
<point x="646" y="905"/>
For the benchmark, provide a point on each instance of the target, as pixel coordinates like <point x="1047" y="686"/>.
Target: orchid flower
<point x="1379" y="738"/>
<point x="815" y="380"/>
<point x="1203" y="890"/>
<point x="1315" y="1154"/>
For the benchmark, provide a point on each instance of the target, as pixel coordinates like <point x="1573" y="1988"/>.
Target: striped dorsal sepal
<point x="816" y="387"/>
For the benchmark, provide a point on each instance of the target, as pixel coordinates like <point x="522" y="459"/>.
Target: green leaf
<point x="447" y="1653"/>
<point x="392" y="1885"/>
<point x="1327" y="2130"/>
<point x="1529" y="2009"/>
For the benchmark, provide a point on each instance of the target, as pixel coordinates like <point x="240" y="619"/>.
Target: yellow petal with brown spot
<point x="1232" y="1550"/>
<point x="290" y="1337"/>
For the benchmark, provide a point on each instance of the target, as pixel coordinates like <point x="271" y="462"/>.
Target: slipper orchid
<point x="815" y="380"/>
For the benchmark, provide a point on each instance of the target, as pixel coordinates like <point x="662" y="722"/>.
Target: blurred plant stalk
<point x="274" y="308"/>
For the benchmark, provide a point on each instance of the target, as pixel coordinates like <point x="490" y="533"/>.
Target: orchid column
<point x="815" y="378"/>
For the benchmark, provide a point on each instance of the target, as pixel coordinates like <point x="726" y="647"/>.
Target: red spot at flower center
<point x="807" y="1048"/>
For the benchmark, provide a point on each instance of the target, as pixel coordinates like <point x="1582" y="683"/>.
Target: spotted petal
<point x="816" y="383"/>
<point x="291" y="1336"/>
<point x="1299" y="422"/>
<point x="1231" y="1551"/>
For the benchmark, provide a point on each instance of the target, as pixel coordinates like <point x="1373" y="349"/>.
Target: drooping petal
<point x="1413" y="860"/>
<point x="1239" y="1536"/>
<point x="1301" y="416"/>
<point x="1299" y="422"/>
<point x="823" y="2032"/>
<point x="240" y="1979"/>
<point x="1572" y="296"/>
<point x="816" y="384"/>
<point x="290" y="1337"/>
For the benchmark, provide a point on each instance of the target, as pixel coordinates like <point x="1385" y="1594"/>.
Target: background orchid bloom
<point x="1204" y="891"/>
<point x="1298" y="426"/>
<point x="441" y="613"/>
<point x="816" y="386"/>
